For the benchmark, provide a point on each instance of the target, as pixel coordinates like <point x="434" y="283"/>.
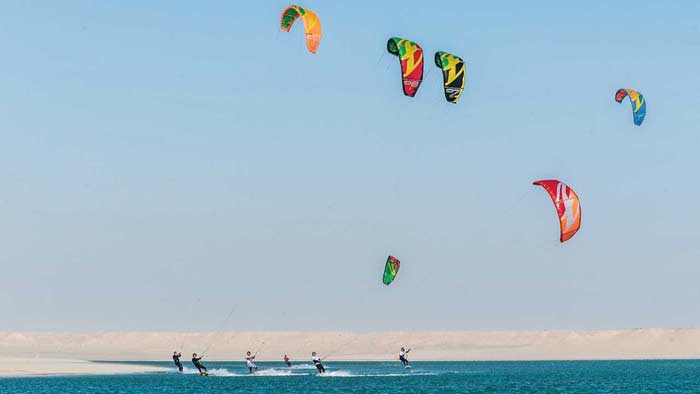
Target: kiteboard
<point x="203" y="374"/>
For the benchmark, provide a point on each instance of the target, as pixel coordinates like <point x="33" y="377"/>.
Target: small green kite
<point x="391" y="269"/>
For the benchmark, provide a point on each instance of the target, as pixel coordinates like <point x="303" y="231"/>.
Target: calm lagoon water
<point x="672" y="376"/>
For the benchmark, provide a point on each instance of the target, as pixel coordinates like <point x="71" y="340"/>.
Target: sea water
<point x="674" y="376"/>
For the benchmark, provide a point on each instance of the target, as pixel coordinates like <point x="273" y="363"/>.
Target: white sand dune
<point x="428" y="345"/>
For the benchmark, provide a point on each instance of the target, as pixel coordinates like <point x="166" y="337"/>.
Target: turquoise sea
<point x="674" y="376"/>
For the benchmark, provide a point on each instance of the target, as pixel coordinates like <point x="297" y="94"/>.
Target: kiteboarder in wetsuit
<point x="249" y="361"/>
<point x="317" y="362"/>
<point x="176" y="359"/>
<point x="200" y="367"/>
<point x="402" y="356"/>
<point x="286" y="361"/>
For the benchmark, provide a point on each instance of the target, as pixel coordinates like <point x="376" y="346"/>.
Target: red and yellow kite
<point x="567" y="204"/>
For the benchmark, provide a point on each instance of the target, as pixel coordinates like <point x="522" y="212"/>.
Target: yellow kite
<point x="312" y="25"/>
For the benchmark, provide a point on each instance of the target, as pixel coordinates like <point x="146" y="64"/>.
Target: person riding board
<point x="286" y="361"/>
<point x="176" y="360"/>
<point x="317" y="362"/>
<point x="197" y="363"/>
<point x="402" y="356"/>
<point x="249" y="361"/>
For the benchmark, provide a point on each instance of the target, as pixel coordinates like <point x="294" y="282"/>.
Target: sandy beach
<point x="59" y="352"/>
<point x="13" y="366"/>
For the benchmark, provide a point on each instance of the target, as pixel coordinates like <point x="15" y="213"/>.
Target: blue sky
<point x="162" y="163"/>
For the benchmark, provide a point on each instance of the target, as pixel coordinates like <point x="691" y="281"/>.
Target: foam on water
<point x="211" y="371"/>
<point x="221" y="372"/>
<point x="406" y="374"/>
<point x="189" y="371"/>
<point x="337" y="374"/>
<point x="302" y="366"/>
<point x="277" y="372"/>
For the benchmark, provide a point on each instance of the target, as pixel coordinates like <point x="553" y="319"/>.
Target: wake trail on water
<point x="302" y="366"/>
<point x="211" y="371"/>
<point x="221" y="372"/>
<point x="189" y="371"/>
<point x="348" y="374"/>
<point x="282" y="372"/>
<point x="278" y="372"/>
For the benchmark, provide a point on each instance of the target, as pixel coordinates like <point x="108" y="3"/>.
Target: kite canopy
<point x="639" y="105"/>
<point x="453" y="74"/>
<point x="411" y="58"/>
<point x="391" y="269"/>
<point x="312" y="25"/>
<point x="567" y="204"/>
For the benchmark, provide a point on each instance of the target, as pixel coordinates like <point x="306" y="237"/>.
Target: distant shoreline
<point x="624" y="344"/>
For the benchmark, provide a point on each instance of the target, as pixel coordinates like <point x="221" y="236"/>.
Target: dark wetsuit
<point x="319" y="366"/>
<point x="199" y="365"/>
<point x="286" y="361"/>
<point x="176" y="359"/>
<point x="402" y="357"/>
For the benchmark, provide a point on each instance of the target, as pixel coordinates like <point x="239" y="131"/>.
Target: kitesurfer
<point x="200" y="367"/>
<point x="286" y="361"/>
<point x="317" y="362"/>
<point x="402" y="356"/>
<point x="249" y="361"/>
<point x="176" y="360"/>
